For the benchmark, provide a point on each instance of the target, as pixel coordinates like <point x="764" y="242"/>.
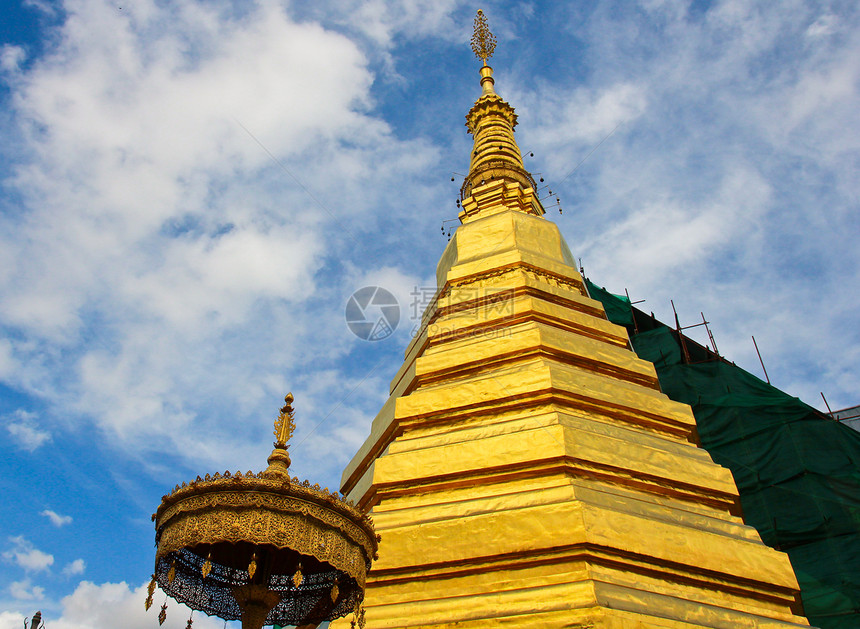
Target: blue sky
<point x="189" y="193"/>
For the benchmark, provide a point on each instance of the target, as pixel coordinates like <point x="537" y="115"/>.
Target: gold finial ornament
<point x="483" y="41"/>
<point x="252" y="567"/>
<point x="162" y="615"/>
<point x="285" y="425"/>
<point x="207" y="566"/>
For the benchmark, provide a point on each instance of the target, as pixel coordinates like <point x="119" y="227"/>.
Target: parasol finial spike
<point x="285" y="425"/>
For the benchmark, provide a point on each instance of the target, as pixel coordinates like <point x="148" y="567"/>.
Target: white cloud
<point x="158" y="254"/>
<point x="75" y="567"/>
<point x="28" y="556"/>
<point x="383" y="20"/>
<point x="93" y="606"/>
<point x="825" y="25"/>
<point x="7" y="363"/>
<point x="671" y="8"/>
<point x="55" y="518"/>
<point x="665" y="235"/>
<point x="42" y="5"/>
<point x="569" y="118"/>
<point x="139" y="134"/>
<point x="11" y="620"/>
<point x="11" y="57"/>
<point x="24" y="431"/>
<point x="26" y="591"/>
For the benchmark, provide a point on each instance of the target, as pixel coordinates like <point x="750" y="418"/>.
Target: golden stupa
<point x="526" y="470"/>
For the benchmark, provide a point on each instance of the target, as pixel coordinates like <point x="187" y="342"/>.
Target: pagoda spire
<point x="495" y="156"/>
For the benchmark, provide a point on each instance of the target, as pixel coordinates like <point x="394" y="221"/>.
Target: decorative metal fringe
<point x="358" y="619"/>
<point x="150" y="590"/>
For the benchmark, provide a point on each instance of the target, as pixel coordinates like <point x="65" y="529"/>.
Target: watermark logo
<point x="372" y="313"/>
<point x="487" y="300"/>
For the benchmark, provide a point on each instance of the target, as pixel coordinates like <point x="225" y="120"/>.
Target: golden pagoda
<point x="526" y="470"/>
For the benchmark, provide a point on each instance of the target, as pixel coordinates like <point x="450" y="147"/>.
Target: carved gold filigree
<point x="294" y="530"/>
<point x="483" y="279"/>
<point x="263" y="511"/>
<point x="258" y="489"/>
<point x="266" y="494"/>
<point x="491" y="106"/>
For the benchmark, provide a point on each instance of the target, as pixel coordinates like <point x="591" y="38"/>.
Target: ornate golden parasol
<point x="264" y="548"/>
